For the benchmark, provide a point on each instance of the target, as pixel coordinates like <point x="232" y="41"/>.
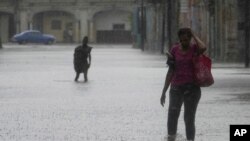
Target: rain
<point x="41" y="101"/>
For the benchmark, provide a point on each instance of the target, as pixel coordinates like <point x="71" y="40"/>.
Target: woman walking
<point x="183" y="89"/>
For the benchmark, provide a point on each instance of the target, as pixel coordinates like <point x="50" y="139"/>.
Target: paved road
<point x="40" y="101"/>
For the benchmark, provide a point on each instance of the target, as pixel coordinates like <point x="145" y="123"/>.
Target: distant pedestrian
<point x="70" y="35"/>
<point x="183" y="89"/>
<point x="1" y="46"/>
<point x="82" y="59"/>
<point x="65" y="36"/>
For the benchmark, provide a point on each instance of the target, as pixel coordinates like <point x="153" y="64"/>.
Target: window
<point x="118" y="27"/>
<point x="35" y="33"/>
<point x="56" y="24"/>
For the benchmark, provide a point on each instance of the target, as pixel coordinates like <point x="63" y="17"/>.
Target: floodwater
<point x="121" y="102"/>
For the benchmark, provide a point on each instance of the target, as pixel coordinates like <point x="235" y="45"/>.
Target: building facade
<point x="216" y="23"/>
<point x="219" y="23"/>
<point x="104" y="21"/>
<point x="149" y="24"/>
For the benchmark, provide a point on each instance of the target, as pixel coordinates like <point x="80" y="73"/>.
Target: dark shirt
<point x="183" y="65"/>
<point x="81" y="55"/>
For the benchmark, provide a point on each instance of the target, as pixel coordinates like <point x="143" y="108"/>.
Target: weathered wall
<point x="4" y="28"/>
<point x="82" y="14"/>
<point x="214" y="21"/>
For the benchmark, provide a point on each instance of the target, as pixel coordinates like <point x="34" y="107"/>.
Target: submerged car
<point x="33" y="36"/>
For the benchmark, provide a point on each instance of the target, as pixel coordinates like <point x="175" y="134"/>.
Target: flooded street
<point x="39" y="99"/>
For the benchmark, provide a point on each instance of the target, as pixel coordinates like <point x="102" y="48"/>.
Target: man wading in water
<point x="82" y="59"/>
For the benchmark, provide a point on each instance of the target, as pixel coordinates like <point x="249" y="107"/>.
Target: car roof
<point x="27" y="31"/>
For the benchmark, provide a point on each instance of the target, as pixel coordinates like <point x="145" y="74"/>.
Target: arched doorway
<point x="113" y="26"/>
<point x="7" y="26"/>
<point x="61" y="24"/>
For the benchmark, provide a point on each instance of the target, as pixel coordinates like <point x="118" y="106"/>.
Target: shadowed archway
<point x="7" y="26"/>
<point x="113" y="26"/>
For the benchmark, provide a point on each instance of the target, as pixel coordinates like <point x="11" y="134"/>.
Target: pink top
<point x="183" y="67"/>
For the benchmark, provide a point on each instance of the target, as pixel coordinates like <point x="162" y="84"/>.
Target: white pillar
<point x="23" y="21"/>
<point x="77" y="31"/>
<point x="83" y="16"/>
<point x="92" y="37"/>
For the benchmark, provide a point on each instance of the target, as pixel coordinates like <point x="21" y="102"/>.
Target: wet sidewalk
<point x="121" y="102"/>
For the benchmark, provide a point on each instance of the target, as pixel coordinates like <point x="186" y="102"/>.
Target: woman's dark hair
<point x="185" y="31"/>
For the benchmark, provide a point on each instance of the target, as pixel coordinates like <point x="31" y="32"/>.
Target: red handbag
<point x="202" y="71"/>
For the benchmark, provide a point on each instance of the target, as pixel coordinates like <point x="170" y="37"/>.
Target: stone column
<point x="77" y="31"/>
<point x="83" y="16"/>
<point x="23" y="21"/>
<point x="92" y="35"/>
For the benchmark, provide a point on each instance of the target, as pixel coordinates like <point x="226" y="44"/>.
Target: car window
<point x="36" y="33"/>
<point x="25" y="33"/>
